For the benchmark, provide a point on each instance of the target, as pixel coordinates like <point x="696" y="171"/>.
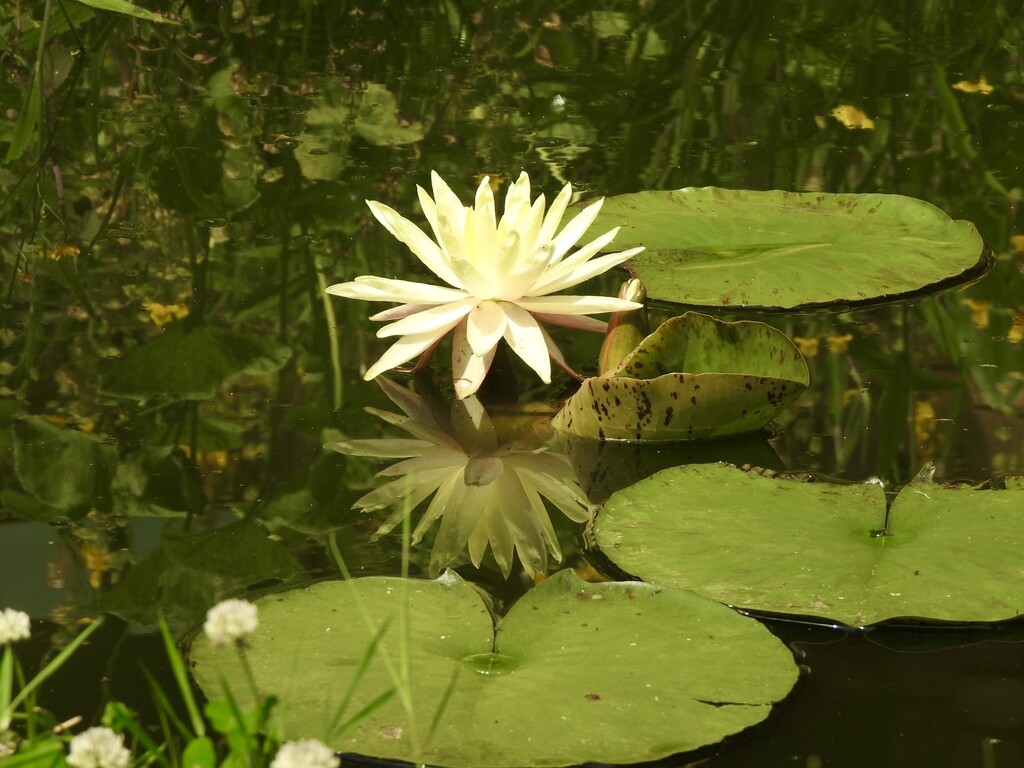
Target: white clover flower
<point x="99" y="748"/>
<point x="501" y="273"/>
<point x="308" y="753"/>
<point x="230" y="621"/>
<point x="488" y="489"/>
<point x="14" y="626"/>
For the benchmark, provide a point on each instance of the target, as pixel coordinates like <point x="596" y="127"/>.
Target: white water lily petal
<point x="574" y="230"/>
<point x="397" y="490"/>
<point x="452" y="484"/>
<point x="444" y="316"/>
<point x="557" y="279"/>
<point x="554" y="215"/>
<point x="485" y="326"/>
<point x="397" y="313"/>
<point x="576" y="305"/>
<point x="579" y="322"/>
<point x="558" y="270"/>
<point x="421" y="430"/>
<point x="404" y="350"/>
<point x="526" y="339"/>
<point x="389" y="448"/>
<point x="425" y="249"/>
<point x="468" y="369"/>
<point x="372" y="288"/>
<point x="446" y="457"/>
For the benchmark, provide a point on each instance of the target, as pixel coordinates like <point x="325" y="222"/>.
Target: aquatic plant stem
<point x="244" y="660"/>
<point x="334" y="342"/>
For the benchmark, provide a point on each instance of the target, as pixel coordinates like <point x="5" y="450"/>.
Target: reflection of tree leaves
<point x="63" y="468"/>
<point x="189" y="572"/>
<point x="190" y="364"/>
<point x="339" y="116"/>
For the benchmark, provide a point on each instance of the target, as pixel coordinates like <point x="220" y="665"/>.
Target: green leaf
<point x="190" y="364"/>
<point x="575" y="672"/>
<point x="62" y="467"/>
<point x="200" y="753"/>
<point x="812" y="548"/>
<point x="123" y="6"/>
<point x="744" y="249"/>
<point x="693" y="378"/>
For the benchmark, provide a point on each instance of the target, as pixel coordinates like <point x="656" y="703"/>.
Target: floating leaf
<point x="780" y="544"/>
<point x="575" y="672"/>
<point x="63" y="468"/>
<point x="191" y="364"/>
<point x="739" y="249"/>
<point x="693" y="378"/>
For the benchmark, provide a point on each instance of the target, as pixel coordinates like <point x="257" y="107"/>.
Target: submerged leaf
<point x="190" y="364"/>
<point x="61" y="467"/>
<point x="615" y="673"/>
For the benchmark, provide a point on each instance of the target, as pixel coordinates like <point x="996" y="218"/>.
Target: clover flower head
<point x="502" y="279"/>
<point x="14" y="626"/>
<point x="307" y="753"/>
<point x="230" y="622"/>
<point x="98" y="748"/>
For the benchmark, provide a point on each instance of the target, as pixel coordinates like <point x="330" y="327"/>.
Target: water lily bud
<point x="625" y="329"/>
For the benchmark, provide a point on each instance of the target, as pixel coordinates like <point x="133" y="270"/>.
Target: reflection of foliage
<point x="487" y="490"/>
<point x="149" y="167"/>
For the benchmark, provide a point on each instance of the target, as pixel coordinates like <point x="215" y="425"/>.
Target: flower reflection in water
<point x="486" y="490"/>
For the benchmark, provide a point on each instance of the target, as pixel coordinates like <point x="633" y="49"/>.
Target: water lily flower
<point x="98" y="748"/>
<point x="503" y="277"/>
<point x="306" y="753"/>
<point x="487" y="491"/>
<point x="230" y="622"/>
<point x="14" y="626"/>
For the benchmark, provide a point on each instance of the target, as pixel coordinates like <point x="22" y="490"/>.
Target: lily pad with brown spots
<point x="694" y="378"/>
<point x="776" y="250"/>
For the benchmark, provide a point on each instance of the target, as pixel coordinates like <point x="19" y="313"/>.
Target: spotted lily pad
<point x="782" y="544"/>
<point x="575" y="672"/>
<point x="715" y="247"/>
<point x="693" y="378"/>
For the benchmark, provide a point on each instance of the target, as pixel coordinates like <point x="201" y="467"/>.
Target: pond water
<point x="212" y="176"/>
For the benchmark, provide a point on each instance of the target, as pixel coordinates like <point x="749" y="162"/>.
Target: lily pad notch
<point x="575" y="672"/>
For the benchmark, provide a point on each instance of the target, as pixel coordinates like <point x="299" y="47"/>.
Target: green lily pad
<point x="743" y="249"/>
<point x="189" y="364"/>
<point x="780" y="544"/>
<point x="693" y="378"/>
<point x="614" y="672"/>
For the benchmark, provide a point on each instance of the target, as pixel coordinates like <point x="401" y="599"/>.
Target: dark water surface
<point x="214" y="175"/>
